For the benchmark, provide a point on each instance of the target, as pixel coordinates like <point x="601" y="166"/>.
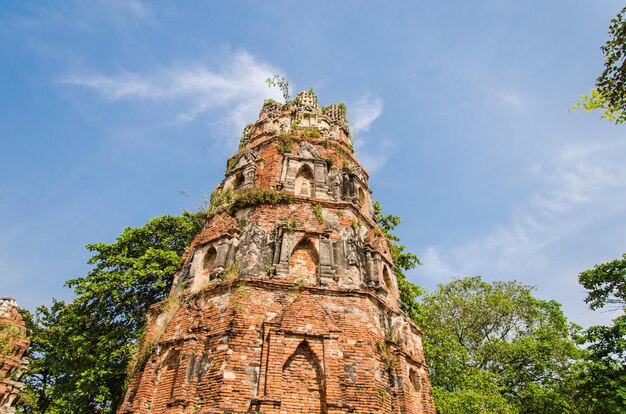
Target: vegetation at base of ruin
<point x="285" y="144"/>
<point x="317" y="210"/>
<point x="609" y="94"/>
<point x="339" y="213"/>
<point x="281" y="83"/>
<point x="229" y="201"/>
<point x="80" y="350"/>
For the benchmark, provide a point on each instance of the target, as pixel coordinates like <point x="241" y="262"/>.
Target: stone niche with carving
<point x="287" y="300"/>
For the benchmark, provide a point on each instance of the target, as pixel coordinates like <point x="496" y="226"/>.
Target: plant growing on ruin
<point x="296" y="122"/>
<point x="270" y="101"/>
<point x="231" y="273"/>
<point x="317" y="210"/>
<point x="284" y="143"/>
<point x="229" y="201"/>
<point x="290" y="224"/>
<point x="298" y="285"/>
<point x="9" y="334"/>
<point x="343" y="108"/>
<point x="311" y="132"/>
<point x="282" y="83"/>
<point x="403" y="260"/>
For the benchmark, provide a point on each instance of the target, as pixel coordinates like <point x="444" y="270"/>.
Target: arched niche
<point x="165" y="382"/>
<point x="415" y="380"/>
<point x="387" y="278"/>
<point x="208" y="262"/>
<point x="239" y="180"/>
<point x="304" y="185"/>
<point x="303" y="386"/>
<point x="304" y="262"/>
<point x="362" y="198"/>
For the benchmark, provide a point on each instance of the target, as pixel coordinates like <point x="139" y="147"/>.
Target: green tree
<point x="403" y="260"/>
<point x="609" y="95"/>
<point x="495" y="348"/>
<point x="601" y="380"/>
<point x="81" y="350"/>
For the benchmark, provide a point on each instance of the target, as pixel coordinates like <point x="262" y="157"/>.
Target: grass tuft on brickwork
<point x="229" y="201"/>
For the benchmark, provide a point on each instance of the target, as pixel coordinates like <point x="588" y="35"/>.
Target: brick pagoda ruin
<point x="13" y="349"/>
<point x="287" y="300"/>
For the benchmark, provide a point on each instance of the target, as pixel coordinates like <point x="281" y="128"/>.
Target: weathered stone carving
<point x="255" y="250"/>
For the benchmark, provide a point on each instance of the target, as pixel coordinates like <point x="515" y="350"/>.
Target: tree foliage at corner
<point x="403" y="260"/>
<point x="80" y="350"/>
<point x="601" y="379"/>
<point x="609" y="95"/>
<point x="495" y="348"/>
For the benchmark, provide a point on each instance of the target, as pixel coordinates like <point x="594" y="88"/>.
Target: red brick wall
<point x="313" y="333"/>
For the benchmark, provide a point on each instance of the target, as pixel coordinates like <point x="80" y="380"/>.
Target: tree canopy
<point x="495" y="348"/>
<point x="80" y="350"/>
<point x="609" y="94"/>
<point x="601" y="379"/>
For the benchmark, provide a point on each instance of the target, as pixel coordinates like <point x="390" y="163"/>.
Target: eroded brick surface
<point x="13" y="348"/>
<point x="286" y="308"/>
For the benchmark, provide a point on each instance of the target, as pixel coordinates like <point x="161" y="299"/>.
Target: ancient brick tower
<point x="13" y="348"/>
<point x="287" y="300"/>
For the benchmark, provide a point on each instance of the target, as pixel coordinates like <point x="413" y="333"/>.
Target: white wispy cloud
<point x="373" y="153"/>
<point x="547" y="238"/>
<point x="80" y="15"/>
<point x="237" y="86"/>
<point x="363" y="112"/>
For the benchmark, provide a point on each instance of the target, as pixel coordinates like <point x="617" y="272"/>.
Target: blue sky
<point x="108" y="109"/>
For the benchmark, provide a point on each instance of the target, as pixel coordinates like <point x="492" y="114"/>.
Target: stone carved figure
<point x="254" y="251"/>
<point x="336" y="184"/>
